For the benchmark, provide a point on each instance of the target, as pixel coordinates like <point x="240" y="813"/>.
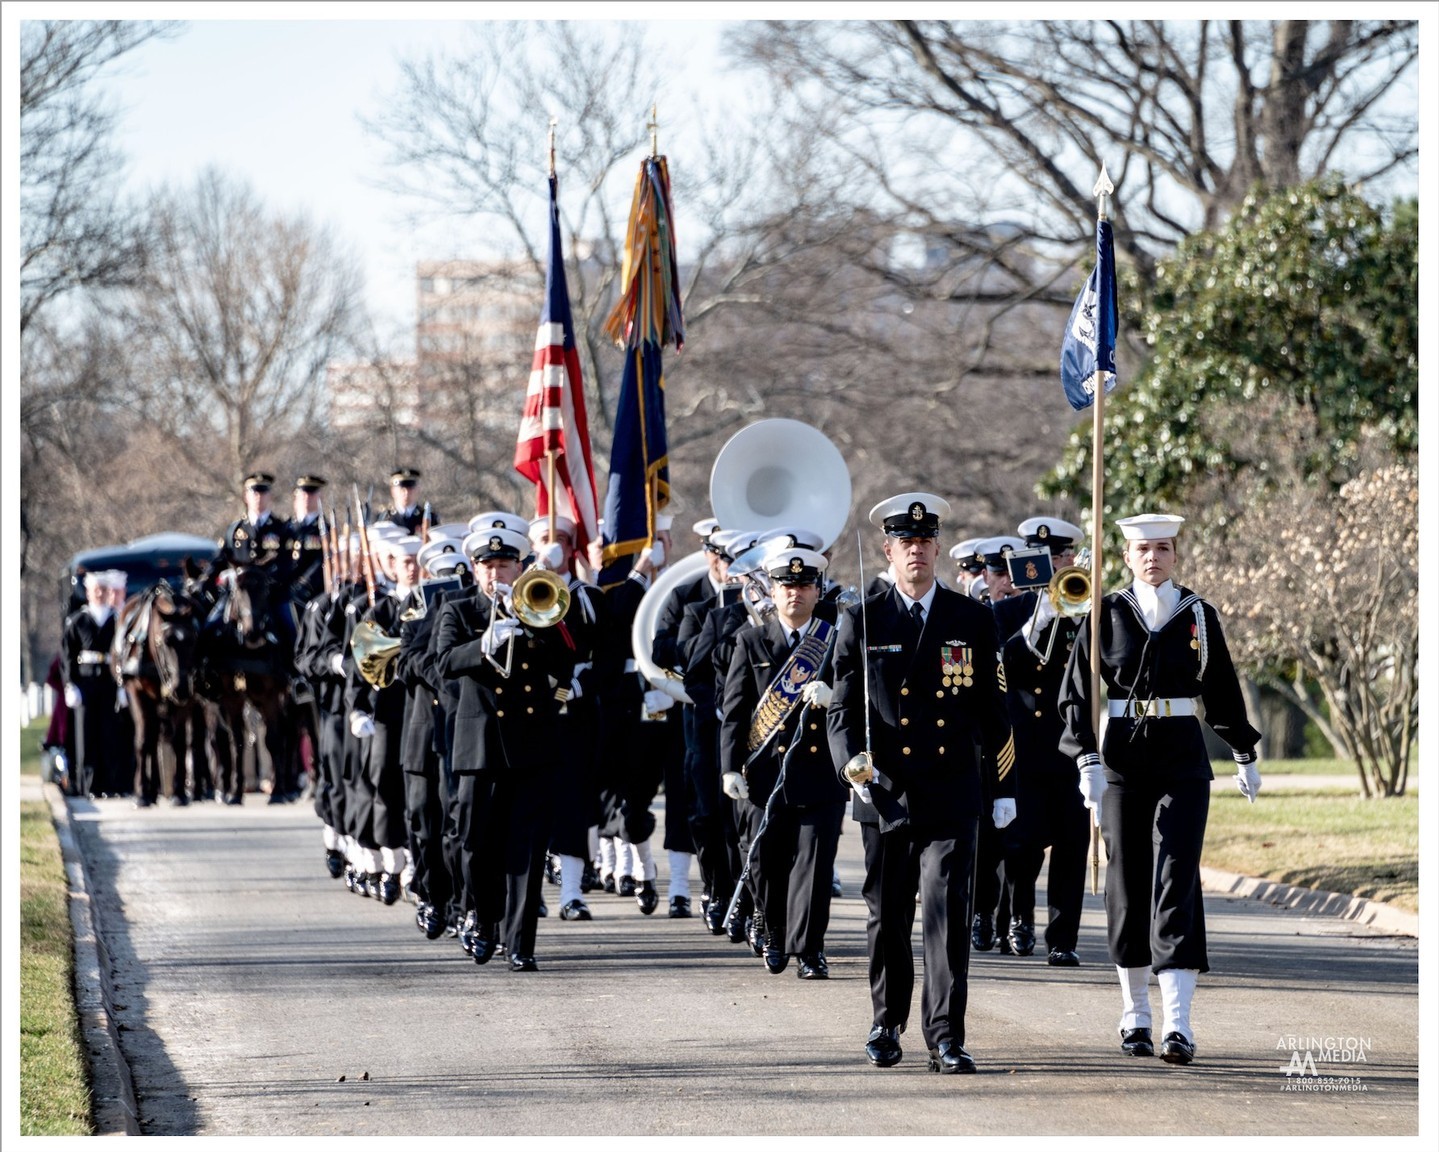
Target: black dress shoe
<point x="1021" y="937"/>
<point x="735" y="928"/>
<point x="143" y="802"/>
<point x="609" y="884"/>
<point x="1063" y="958"/>
<point x="179" y="801"/>
<point x="432" y="926"/>
<point x="482" y="951"/>
<point x="544" y="910"/>
<point x="883" y="1048"/>
<point x="813" y="967"/>
<point x="389" y="888"/>
<point x="523" y="964"/>
<point x="1136" y="1042"/>
<point x="469" y="933"/>
<point x="947" y="1057"/>
<point x="714" y="918"/>
<point x="351" y="877"/>
<point x="334" y="862"/>
<point x="679" y="908"/>
<point x="626" y="886"/>
<point x="775" y="960"/>
<point x="589" y="879"/>
<point x="552" y="868"/>
<point x="1005" y="947"/>
<point x="1176" y="1049"/>
<point x="836" y="889"/>
<point x="576" y="910"/>
<point x="981" y="933"/>
<point x="647" y="897"/>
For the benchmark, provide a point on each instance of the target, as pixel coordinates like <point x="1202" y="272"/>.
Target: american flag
<point x="554" y="419"/>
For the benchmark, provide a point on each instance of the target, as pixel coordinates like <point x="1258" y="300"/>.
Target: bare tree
<point x="241" y="312"/>
<point x="76" y="230"/>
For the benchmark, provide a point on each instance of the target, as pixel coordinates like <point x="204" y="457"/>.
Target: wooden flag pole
<point x="1102" y="188"/>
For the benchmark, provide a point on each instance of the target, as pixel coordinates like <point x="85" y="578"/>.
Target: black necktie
<point x="793" y="637"/>
<point x="916" y="613"/>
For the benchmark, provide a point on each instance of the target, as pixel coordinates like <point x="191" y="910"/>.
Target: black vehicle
<point x="144" y="561"/>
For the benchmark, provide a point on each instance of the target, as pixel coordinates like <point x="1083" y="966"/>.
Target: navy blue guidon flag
<point x="554" y="420"/>
<point x="1087" y="355"/>
<point x="647" y="317"/>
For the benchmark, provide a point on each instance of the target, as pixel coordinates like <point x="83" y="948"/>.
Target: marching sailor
<point x="1163" y="654"/>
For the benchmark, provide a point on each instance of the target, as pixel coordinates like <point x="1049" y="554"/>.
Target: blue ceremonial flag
<point x="1087" y="354"/>
<point x="647" y="316"/>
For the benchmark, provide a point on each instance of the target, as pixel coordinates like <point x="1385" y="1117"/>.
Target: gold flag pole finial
<point x="654" y="127"/>
<point x="553" y="122"/>
<point x="1103" y="188"/>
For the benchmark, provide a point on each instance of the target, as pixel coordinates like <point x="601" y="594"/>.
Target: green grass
<point x="1316" y="767"/>
<point x="1330" y="840"/>
<point x="54" y="1084"/>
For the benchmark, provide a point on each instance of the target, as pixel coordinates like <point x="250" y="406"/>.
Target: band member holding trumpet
<point x="918" y="727"/>
<point x="1051" y="811"/>
<point x="1162" y="654"/>
<point x="510" y="662"/>
<point x="773" y="740"/>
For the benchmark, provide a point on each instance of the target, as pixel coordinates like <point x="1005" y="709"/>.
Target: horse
<point x="246" y="662"/>
<point x="154" y="657"/>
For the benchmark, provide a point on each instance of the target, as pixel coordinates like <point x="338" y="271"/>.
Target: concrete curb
<point x="1312" y="902"/>
<point x="112" y="1087"/>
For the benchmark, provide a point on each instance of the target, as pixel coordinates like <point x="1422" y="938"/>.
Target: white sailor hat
<point x="496" y="544"/>
<point x="797" y="537"/>
<point x="1050" y="532"/>
<point x="96" y="580"/>
<point x="405" y="545"/>
<point x="447" y="563"/>
<point x="910" y="514"/>
<point x="115" y="578"/>
<point x="1150" y="526"/>
<point x="542" y="524"/>
<point x="704" y="527"/>
<point x="733" y="542"/>
<point x="455" y="531"/>
<point x="993" y="549"/>
<point x="967" y="554"/>
<point x="385" y="530"/>
<point x="435" y="549"/>
<point x="796" y="566"/>
<point x="496" y="519"/>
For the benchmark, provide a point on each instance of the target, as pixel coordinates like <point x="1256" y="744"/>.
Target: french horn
<point x="375" y="652"/>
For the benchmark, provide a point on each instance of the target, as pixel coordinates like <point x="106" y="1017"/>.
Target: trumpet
<point x="1071" y="590"/>
<point x="375" y="653"/>
<point x="538" y="599"/>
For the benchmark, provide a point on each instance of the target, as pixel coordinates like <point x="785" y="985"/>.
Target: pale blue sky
<point x="277" y="102"/>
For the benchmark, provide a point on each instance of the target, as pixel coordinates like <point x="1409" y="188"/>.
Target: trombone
<point x="538" y="599"/>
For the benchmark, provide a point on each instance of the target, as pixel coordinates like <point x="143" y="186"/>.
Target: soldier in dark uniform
<point x="938" y="723"/>
<point x="261" y="540"/>
<point x="1163" y="654"/>
<point x="407" y="509"/>
<point x="320" y="658"/>
<point x="1051" y="811"/>
<point x="969" y="563"/>
<point x="91" y="693"/>
<point x="307" y="548"/>
<point x="504" y="747"/>
<point x="701" y="784"/>
<point x="792" y="859"/>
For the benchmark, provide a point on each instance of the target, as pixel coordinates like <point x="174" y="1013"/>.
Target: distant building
<point x="364" y="394"/>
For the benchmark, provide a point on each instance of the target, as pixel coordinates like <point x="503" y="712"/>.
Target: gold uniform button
<point x="814" y="727"/>
<point x="780" y="748"/>
<point x="903" y="720"/>
<point x="939" y="723"/>
<point x="499" y="712"/>
<point x="1038" y="713"/>
<point x="1037" y="691"/>
<point x="530" y="710"/>
<point x="524" y="667"/>
<point x="528" y="688"/>
<point x="904" y="691"/>
<point x="940" y="693"/>
<point x="814" y="747"/>
<point x="498" y="691"/>
<point x="905" y="751"/>
<point x="941" y="749"/>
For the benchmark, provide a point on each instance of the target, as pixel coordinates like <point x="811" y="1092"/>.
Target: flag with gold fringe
<point x="647" y="317"/>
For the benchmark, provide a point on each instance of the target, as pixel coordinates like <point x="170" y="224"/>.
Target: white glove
<point x="337" y="663"/>
<point x="1092" y="783"/>
<point x="657" y="701"/>
<point x="735" y="787"/>
<point x="501" y="631"/>
<point x="362" y="724"/>
<point x="654" y="555"/>
<point x="72" y="696"/>
<point x="551" y="556"/>
<point x="817" y="694"/>
<point x="1247" y="777"/>
<point x="1004" y="812"/>
<point x="122" y="698"/>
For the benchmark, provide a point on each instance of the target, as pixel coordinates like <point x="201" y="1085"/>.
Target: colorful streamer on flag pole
<point x="648" y="316"/>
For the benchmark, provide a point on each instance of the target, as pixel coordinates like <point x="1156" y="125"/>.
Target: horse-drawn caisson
<point x="200" y="666"/>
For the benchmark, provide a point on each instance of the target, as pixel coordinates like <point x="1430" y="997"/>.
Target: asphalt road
<point x="254" y="995"/>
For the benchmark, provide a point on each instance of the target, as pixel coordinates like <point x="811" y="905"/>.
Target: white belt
<point x="1163" y="706"/>
<point x="92" y="657"/>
